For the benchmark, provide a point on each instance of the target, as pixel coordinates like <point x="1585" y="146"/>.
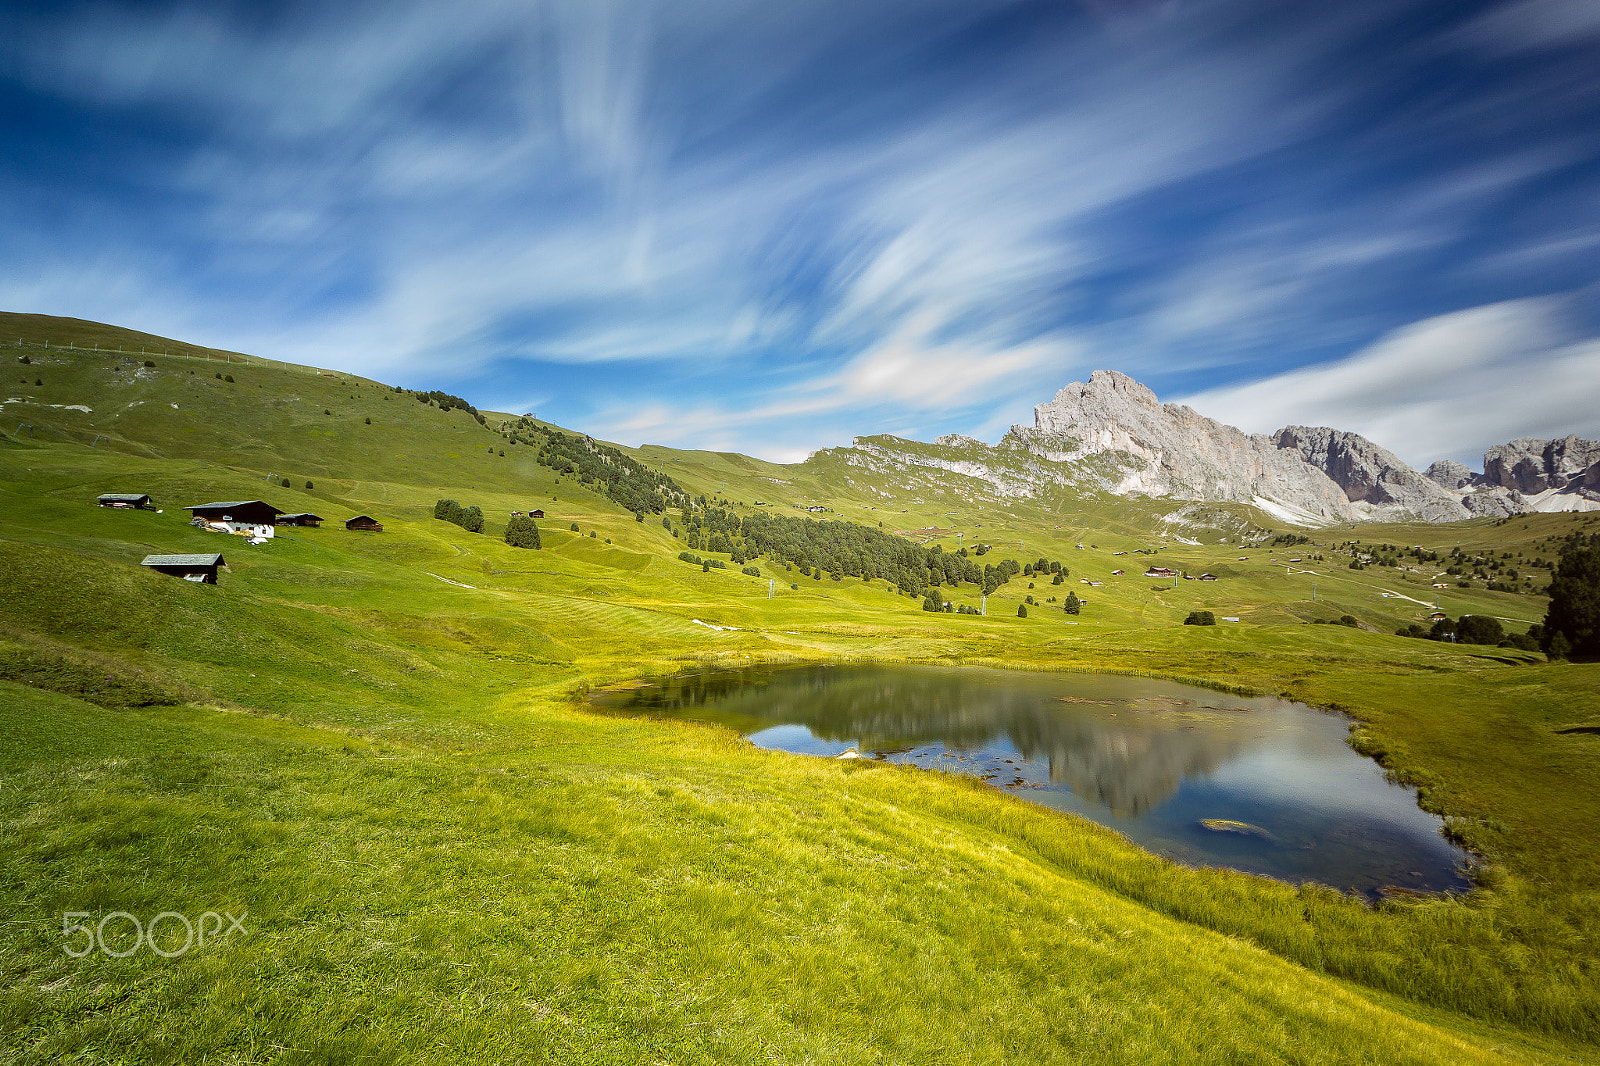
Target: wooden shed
<point x="536" y="513"/>
<point x="303" y="519"/>
<point x="240" y="516"/>
<point x="202" y="568"/>
<point x="137" y="501"/>
<point x="364" y="522"/>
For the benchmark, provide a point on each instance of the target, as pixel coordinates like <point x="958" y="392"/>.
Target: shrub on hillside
<point x="468" y="518"/>
<point x="1479" y="629"/>
<point x="1200" y="618"/>
<point x="1022" y="610"/>
<point x="1073" y="604"/>
<point x="522" y="532"/>
<point x="751" y="570"/>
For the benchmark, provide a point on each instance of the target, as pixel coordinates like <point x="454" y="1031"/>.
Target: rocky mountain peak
<point x="1155" y="449"/>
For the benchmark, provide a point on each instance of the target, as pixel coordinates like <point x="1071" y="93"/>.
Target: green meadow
<point x="376" y="748"/>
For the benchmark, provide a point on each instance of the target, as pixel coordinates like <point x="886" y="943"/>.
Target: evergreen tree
<point x="1073" y="604"/>
<point x="1574" y="612"/>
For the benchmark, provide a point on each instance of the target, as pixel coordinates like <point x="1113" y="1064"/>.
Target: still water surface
<point x="1154" y="760"/>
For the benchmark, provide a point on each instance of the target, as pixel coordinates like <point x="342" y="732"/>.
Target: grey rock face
<point x="1371" y="475"/>
<point x="1532" y="466"/>
<point x="1170" y="450"/>
<point x="1450" y="474"/>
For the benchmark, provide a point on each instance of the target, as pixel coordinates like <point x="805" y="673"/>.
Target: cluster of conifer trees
<point x="602" y="468"/>
<point x="447" y="402"/>
<point x="838" y="549"/>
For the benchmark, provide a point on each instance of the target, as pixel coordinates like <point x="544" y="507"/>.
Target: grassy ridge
<point x="446" y="858"/>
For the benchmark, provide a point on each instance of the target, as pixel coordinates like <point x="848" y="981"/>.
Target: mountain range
<point x="1112" y="434"/>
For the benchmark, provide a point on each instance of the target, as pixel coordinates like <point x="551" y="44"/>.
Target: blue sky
<point x="771" y="227"/>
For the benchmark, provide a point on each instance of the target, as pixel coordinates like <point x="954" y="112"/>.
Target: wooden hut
<point x="241" y="516"/>
<point x="302" y="519"/>
<point x="137" y="501"/>
<point x="202" y="568"/>
<point x="364" y="522"/>
<point x="536" y="513"/>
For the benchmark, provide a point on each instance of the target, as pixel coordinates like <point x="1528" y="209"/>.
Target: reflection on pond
<point x="1257" y="784"/>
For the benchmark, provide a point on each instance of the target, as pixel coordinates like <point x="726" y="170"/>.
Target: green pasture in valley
<point x="375" y="747"/>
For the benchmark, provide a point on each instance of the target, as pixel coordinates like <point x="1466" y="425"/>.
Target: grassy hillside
<point x="375" y="745"/>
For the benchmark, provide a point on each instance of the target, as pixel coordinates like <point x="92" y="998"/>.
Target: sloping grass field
<point x="374" y="748"/>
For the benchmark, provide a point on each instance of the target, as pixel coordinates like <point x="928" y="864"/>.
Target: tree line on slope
<point x="842" y="549"/>
<point x="602" y="468"/>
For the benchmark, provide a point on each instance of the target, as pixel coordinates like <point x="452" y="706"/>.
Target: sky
<point x="770" y="228"/>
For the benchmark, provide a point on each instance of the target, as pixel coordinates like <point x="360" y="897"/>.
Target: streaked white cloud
<point x="1446" y="387"/>
<point x="819" y="218"/>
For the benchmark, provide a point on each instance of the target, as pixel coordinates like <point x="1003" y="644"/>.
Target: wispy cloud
<point x="816" y="218"/>
<point x="1446" y="387"/>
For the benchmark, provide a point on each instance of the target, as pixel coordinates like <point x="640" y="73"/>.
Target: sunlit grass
<point x="445" y="857"/>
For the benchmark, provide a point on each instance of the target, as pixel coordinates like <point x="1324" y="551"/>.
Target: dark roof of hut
<point x="229" y="505"/>
<point x="183" y="560"/>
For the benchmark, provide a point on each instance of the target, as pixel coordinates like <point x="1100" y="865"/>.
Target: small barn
<point x="302" y="519"/>
<point x="1159" y="571"/>
<point x="135" y="501"/>
<point x="251" y="517"/>
<point x="202" y="568"/>
<point x="1208" y="577"/>
<point x="536" y="513"/>
<point x="364" y="522"/>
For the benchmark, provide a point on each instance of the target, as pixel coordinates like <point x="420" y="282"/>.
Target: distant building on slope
<point x="240" y="516"/>
<point x="201" y="568"/>
<point x="302" y="519"/>
<point x="364" y="523"/>
<point x="135" y="501"/>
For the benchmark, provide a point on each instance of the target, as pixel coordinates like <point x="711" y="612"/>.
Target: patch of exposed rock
<point x="1450" y="474"/>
